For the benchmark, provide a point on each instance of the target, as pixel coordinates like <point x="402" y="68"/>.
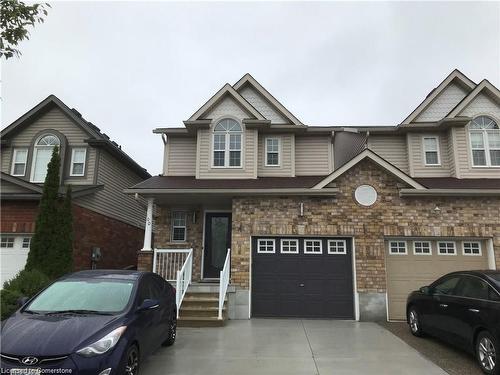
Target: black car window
<point x="156" y="288"/>
<point x="473" y="287"/>
<point x="446" y="286"/>
<point x="493" y="295"/>
<point x="144" y="290"/>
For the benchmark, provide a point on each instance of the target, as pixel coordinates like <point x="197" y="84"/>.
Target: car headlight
<point x="103" y="345"/>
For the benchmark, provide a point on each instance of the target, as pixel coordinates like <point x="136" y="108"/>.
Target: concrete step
<point x="198" y="311"/>
<point x="200" y="322"/>
<point x="202" y="287"/>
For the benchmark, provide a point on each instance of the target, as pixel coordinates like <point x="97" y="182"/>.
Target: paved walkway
<point x="288" y="347"/>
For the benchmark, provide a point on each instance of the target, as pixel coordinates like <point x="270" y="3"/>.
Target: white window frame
<point x="24" y="242"/>
<point x="38" y="147"/>
<point x="437" y="150"/>
<point x="266" y="245"/>
<point x="227" y="145"/>
<point x="486" y="144"/>
<point x="184" y="213"/>
<point x="313" y="252"/>
<point x="274" y="152"/>
<point x="14" y="154"/>
<point x="336" y="242"/>
<point x="6" y="242"/>
<point x="429" y="243"/>
<point x="289" y="240"/>
<point x="446" y="242"/>
<point x="472" y="254"/>
<point x="84" y="149"/>
<point x="398" y="242"/>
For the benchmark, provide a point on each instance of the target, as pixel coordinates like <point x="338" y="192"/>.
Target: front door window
<point x="217" y="241"/>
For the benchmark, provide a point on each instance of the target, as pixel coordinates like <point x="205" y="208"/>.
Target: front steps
<point x="200" y="307"/>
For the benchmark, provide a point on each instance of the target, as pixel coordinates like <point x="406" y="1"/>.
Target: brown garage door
<point x="413" y="263"/>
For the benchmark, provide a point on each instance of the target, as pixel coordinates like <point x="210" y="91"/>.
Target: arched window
<point x="41" y="156"/>
<point x="485" y="142"/>
<point x="227" y="143"/>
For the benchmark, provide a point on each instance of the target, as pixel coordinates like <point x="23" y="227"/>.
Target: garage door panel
<point x="409" y="272"/>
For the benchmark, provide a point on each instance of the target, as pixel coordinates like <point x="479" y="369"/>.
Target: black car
<point x="462" y="308"/>
<point x="90" y="323"/>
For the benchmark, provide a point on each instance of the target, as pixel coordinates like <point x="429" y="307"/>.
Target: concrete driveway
<point x="288" y="347"/>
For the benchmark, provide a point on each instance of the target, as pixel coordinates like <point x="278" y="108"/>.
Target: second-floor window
<point x="272" y="152"/>
<point x="431" y="150"/>
<point x="227" y="144"/>
<point x="19" y="160"/>
<point x="41" y="156"/>
<point x="485" y="142"/>
<point x="78" y="156"/>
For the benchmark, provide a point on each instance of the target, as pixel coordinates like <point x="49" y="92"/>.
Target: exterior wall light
<point x="301" y="209"/>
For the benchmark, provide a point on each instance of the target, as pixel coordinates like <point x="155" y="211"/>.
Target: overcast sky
<point x="130" y="67"/>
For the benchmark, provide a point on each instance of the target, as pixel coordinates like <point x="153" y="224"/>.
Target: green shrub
<point x="24" y="284"/>
<point x="8" y="302"/>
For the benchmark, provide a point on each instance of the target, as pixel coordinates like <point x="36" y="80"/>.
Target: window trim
<point x="422" y="241"/>
<point x="455" y="253"/>
<point x="13" y="242"/>
<point x="227" y="145"/>
<point x="313" y="240"/>
<point x="438" y="150"/>
<point x="266" y="152"/>
<point x="344" y="242"/>
<point x="273" y="240"/>
<point x="472" y="254"/>
<point x="14" y="153"/>
<point x="178" y="226"/>
<point x="486" y="145"/>
<point x="23" y="243"/>
<point x="398" y="253"/>
<point x="295" y="240"/>
<point x="71" y="172"/>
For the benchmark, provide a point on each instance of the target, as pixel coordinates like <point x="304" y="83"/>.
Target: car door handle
<point x="474" y="310"/>
<point x="443" y="305"/>
<point x="301" y="285"/>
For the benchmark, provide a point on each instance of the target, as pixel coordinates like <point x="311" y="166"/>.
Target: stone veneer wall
<point x="391" y="215"/>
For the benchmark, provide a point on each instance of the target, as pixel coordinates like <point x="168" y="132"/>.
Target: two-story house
<point x="337" y="222"/>
<point x="106" y="220"/>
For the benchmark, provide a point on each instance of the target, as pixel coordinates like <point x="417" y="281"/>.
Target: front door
<point x="217" y="241"/>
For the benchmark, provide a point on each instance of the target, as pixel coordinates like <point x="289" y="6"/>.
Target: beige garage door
<point x="411" y="264"/>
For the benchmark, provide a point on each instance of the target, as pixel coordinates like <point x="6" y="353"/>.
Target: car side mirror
<point x="148" y="304"/>
<point x="426" y="290"/>
<point x="22" y="301"/>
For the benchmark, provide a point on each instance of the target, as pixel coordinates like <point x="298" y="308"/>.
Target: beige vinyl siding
<point x="227" y="107"/>
<point x="10" y="188"/>
<point x="285" y="169"/>
<point x="90" y="162"/>
<point x="180" y="158"/>
<point x="111" y="201"/>
<point x="313" y="155"/>
<point x="204" y="157"/>
<point x="481" y="105"/>
<point x="418" y="167"/>
<point x="6" y="155"/>
<point x="391" y="148"/>
<point x="451" y="153"/>
<point x="443" y="103"/>
<point x="262" y="105"/>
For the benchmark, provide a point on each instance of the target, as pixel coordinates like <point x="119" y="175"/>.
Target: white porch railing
<point x="175" y="265"/>
<point x="224" y="281"/>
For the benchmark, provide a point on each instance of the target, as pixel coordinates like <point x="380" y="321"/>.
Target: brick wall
<point x="391" y="215"/>
<point x="18" y="216"/>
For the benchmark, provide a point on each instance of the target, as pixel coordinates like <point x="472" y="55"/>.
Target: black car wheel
<point x="487" y="351"/>
<point x="414" y="322"/>
<point x="132" y="366"/>
<point x="172" y="331"/>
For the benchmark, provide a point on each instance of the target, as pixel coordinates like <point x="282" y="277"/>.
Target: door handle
<point x="444" y="305"/>
<point x="474" y="310"/>
<point x="301" y="285"/>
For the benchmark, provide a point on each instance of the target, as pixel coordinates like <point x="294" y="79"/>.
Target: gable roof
<point x="484" y="85"/>
<point x="454" y="75"/>
<point x="377" y="159"/>
<point x="248" y="79"/>
<point x="95" y="134"/>
<point x="227" y="89"/>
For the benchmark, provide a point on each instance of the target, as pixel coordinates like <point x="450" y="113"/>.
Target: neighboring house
<point x="336" y="222"/>
<point x="96" y="168"/>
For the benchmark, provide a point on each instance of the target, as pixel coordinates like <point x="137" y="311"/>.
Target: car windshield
<point x="97" y="296"/>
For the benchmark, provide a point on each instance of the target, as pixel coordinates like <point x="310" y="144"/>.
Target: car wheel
<point x="414" y="322"/>
<point x="487" y="351"/>
<point x="132" y="365"/>
<point x="172" y="331"/>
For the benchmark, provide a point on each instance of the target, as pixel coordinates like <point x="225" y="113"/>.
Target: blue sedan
<point x="90" y="322"/>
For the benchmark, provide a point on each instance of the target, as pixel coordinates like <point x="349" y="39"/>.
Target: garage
<point x="413" y="263"/>
<point x="302" y="277"/>
<point x="13" y="255"/>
